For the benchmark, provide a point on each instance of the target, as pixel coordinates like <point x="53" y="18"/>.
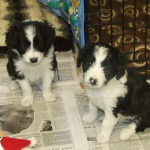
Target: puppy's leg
<point x="92" y="114"/>
<point x="127" y="132"/>
<point x="27" y="99"/>
<point x="14" y="85"/>
<point x="107" y="126"/>
<point x="47" y="79"/>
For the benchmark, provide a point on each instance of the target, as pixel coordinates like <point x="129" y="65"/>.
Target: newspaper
<point x="58" y="125"/>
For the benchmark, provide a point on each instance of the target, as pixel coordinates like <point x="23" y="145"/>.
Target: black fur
<point x="136" y="102"/>
<point x="64" y="44"/>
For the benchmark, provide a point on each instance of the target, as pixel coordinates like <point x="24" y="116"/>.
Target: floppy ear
<point x="121" y="66"/>
<point x="80" y="57"/>
<point x="11" y="36"/>
<point x="62" y="44"/>
<point x="81" y="54"/>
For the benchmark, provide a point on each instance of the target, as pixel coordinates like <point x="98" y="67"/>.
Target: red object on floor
<point x="14" y="144"/>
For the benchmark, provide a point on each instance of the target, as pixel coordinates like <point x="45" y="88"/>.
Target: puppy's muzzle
<point x="34" y="60"/>
<point x="93" y="81"/>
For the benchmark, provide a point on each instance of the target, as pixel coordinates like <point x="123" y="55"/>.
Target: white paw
<point x="27" y="100"/>
<point x="88" y="118"/>
<point x="49" y="97"/>
<point x="103" y="137"/>
<point x="14" y="86"/>
<point x="125" y="134"/>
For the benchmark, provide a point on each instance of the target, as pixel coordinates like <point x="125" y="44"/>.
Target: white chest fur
<point x="106" y="96"/>
<point x="33" y="72"/>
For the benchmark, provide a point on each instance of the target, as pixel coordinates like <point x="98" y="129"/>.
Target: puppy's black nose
<point x="93" y="81"/>
<point x="33" y="60"/>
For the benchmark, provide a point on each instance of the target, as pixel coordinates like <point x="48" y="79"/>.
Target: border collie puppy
<point x="115" y="90"/>
<point x="31" y="58"/>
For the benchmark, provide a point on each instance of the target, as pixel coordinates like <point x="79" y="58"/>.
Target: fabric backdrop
<point x="73" y="12"/>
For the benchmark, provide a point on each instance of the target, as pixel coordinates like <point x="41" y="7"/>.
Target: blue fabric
<point x="73" y="12"/>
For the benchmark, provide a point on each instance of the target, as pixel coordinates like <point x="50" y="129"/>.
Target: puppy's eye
<point x="105" y="67"/>
<point x="104" y="64"/>
<point x="90" y="63"/>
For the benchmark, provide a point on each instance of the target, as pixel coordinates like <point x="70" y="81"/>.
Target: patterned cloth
<point x="21" y="10"/>
<point x="73" y="12"/>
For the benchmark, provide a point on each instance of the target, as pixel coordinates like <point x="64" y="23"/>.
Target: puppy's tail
<point x="62" y="44"/>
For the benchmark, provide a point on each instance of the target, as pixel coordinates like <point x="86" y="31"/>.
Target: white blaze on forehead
<point x="96" y="71"/>
<point x="30" y="32"/>
<point x="100" y="53"/>
<point x="31" y="52"/>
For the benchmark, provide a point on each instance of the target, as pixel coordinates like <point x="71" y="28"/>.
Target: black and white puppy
<point x="115" y="90"/>
<point x="31" y="58"/>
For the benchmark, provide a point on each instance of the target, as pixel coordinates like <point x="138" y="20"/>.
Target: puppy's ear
<point x="11" y="36"/>
<point x="49" y="34"/>
<point x="81" y="54"/>
<point x="62" y="44"/>
<point x="121" y="66"/>
<point x="80" y="57"/>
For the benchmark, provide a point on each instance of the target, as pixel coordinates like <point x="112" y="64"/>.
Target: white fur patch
<point x="106" y="96"/>
<point x="107" y="126"/>
<point x="30" y="32"/>
<point x="35" y="74"/>
<point x="92" y="115"/>
<point x="127" y="132"/>
<point x="14" y="86"/>
<point x="15" y="51"/>
<point x="124" y="78"/>
<point x="27" y="99"/>
<point x="96" y="71"/>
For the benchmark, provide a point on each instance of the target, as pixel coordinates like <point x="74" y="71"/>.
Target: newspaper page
<point x="50" y="123"/>
<point x="139" y="141"/>
<point x="66" y="72"/>
<point x="58" y="125"/>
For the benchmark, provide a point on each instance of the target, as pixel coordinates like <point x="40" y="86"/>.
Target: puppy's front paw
<point x="14" y="86"/>
<point x="125" y="134"/>
<point x="103" y="137"/>
<point x="27" y="101"/>
<point x="49" y="97"/>
<point x="88" y="118"/>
